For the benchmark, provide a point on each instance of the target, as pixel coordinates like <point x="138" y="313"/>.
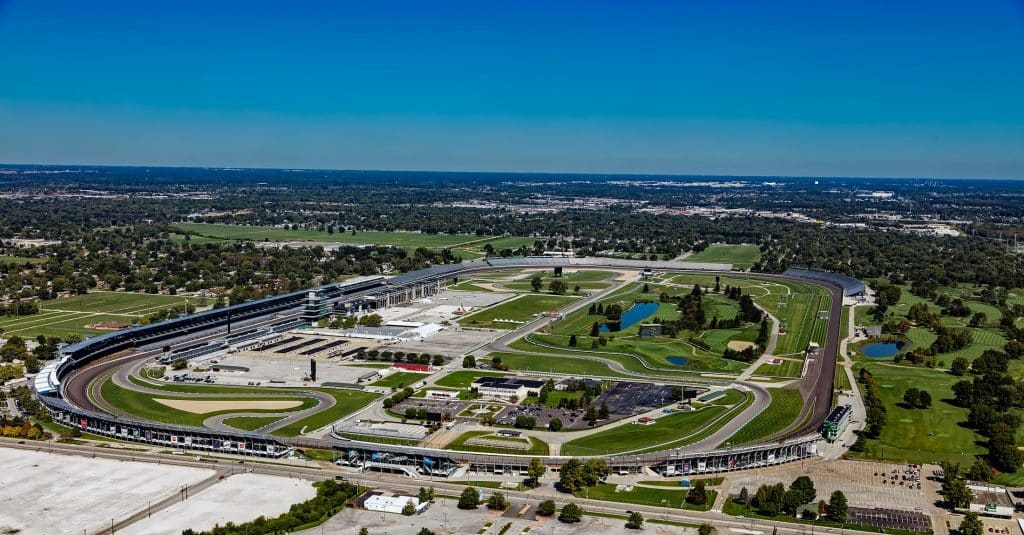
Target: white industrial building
<point x="393" y="504"/>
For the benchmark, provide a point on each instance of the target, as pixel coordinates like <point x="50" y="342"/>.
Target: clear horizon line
<point x="469" y="172"/>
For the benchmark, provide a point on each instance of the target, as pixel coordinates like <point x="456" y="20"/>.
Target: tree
<point x="924" y="399"/>
<point x="971" y="524"/>
<point x="837" y="507"/>
<point x="636" y="521"/>
<point x="770" y="499"/>
<point x="959" y="366"/>
<point x="535" y="471"/>
<point x="179" y="364"/>
<point x="744" y="496"/>
<point x="469" y="498"/>
<point x="698" y="495"/>
<point x="572" y="340"/>
<point x="911" y="396"/>
<point x="980" y="470"/>
<point x="706" y="529"/>
<point x="571" y="514"/>
<point x="570" y="477"/>
<point x="558" y="287"/>
<point x="497" y="502"/>
<point x="364" y="531"/>
<point x="555" y="424"/>
<point x="546" y="508"/>
<point x="595" y="329"/>
<point x="425" y="531"/>
<point x="469" y="361"/>
<point x="805" y="487"/>
<point x="409" y="509"/>
<point x="536" y="282"/>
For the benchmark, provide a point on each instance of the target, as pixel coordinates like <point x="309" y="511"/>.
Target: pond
<point x="634" y="315"/>
<point x="678" y="361"/>
<point x="880" y="350"/>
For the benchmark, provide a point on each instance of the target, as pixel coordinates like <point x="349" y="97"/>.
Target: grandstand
<point x="850" y="285"/>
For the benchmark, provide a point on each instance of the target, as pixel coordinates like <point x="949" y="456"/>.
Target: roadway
<point x="383" y="481"/>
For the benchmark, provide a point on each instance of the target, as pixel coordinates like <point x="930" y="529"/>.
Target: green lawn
<point x="464" y="378"/>
<point x="468" y="286"/>
<point x="346" y="402"/>
<point x="670" y="430"/>
<point x="251" y="423"/>
<point x="144" y="406"/>
<point x="788" y="368"/>
<point x="256" y="233"/>
<point x="740" y="256"/>
<point x="520" y="309"/>
<point x="538" y="447"/>
<point x="780" y="413"/>
<point x="920" y="435"/>
<point x="71" y="315"/>
<point x="400" y="379"/>
<point x="672" y="498"/>
<point x="632" y="352"/>
<point x="566" y="364"/>
<point x="20" y="260"/>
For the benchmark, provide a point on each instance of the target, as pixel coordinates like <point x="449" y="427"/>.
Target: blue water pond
<point x="678" y="361"/>
<point x="880" y="350"/>
<point x="634" y="315"/>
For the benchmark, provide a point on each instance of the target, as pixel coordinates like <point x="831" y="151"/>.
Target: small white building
<point x="393" y="504"/>
<point x="443" y="394"/>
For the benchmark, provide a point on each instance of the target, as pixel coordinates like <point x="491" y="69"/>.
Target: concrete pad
<point x="50" y="494"/>
<point x="238" y="499"/>
<point x="203" y="406"/>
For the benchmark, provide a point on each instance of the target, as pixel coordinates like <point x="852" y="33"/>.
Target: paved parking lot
<point x="444" y="517"/>
<point x="860" y="481"/>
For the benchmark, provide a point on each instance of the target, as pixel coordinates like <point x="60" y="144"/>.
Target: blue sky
<point x="930" y="88"/>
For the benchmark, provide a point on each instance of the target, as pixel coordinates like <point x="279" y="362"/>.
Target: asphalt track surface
<point x="816" y="387"/>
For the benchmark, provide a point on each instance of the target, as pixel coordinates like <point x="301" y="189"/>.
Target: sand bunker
<point x="203" y="406"/>
<point x="738" y="345"/>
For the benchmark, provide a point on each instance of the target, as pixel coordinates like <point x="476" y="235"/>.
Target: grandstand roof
<point x="850" y="285"/>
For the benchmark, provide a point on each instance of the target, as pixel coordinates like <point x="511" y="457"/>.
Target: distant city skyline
<point x="906" y="89"/>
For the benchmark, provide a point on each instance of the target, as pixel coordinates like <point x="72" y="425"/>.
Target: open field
<point x="400" y="239"/>
<point x="463" y="378"/>
<point x="21" y="260"/>
<point x="84" y="493"/>
<point x="670" y="430"/>
<point x="920" y="435"/>
<point x="146" y="406"/>
<point x="783" y="409"/>
<point x="205" y="406"/>
<point x="400" y="379"/>
<point x="345" y="402"/>
<point x="567" y="364"/>
<point x="740" y="256"/>
<point x="520" y="309"/>
<point x="633" y="352"/>
<point x="674" y="498"/>
<point x="250" y="423"/>
<point x="537" y="447"/>
<point x="71" y="315"/>
<point x="788" y="368"/>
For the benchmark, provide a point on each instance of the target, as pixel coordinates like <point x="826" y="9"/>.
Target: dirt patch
<point x="203" y="406"/>
<point x="739" y="345"/>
